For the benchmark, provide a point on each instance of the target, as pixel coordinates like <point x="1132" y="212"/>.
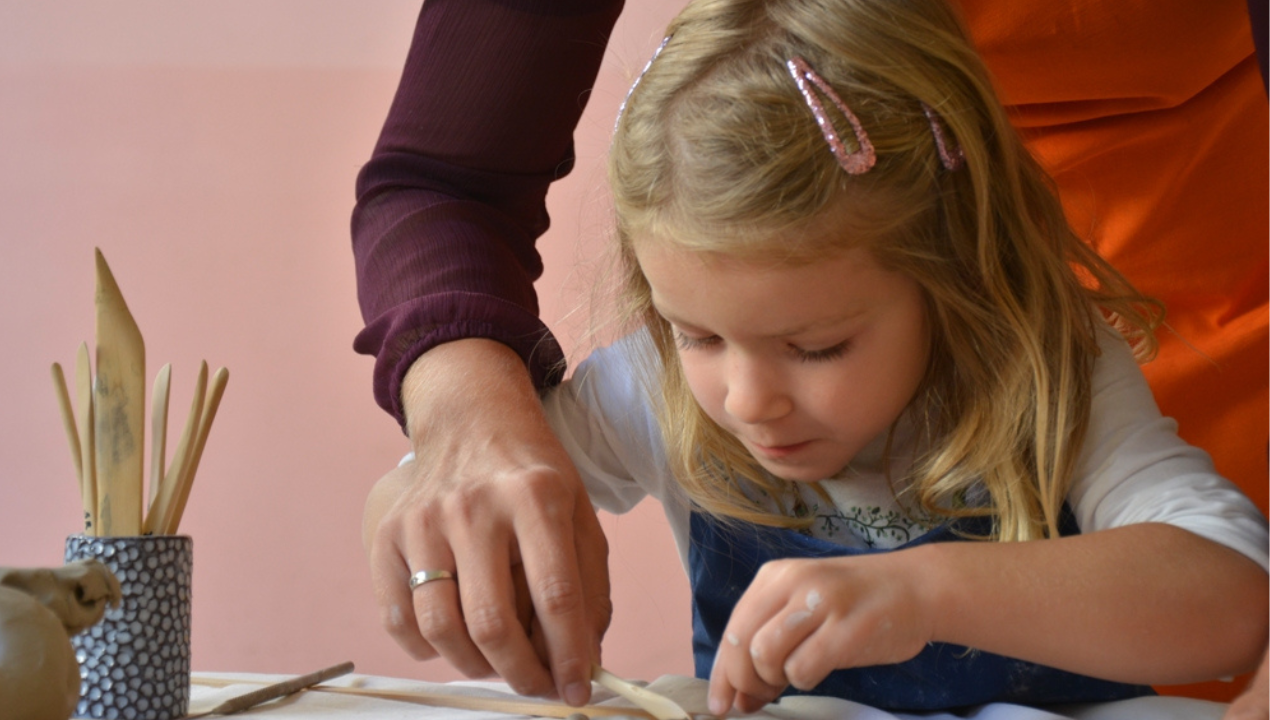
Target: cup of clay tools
<point x="135" y="663"/>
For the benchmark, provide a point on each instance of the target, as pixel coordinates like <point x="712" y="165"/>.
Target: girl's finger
<point x="721" y="693"/>
<point x="735" y="667"/>
<point x="808" y="664"/>
<point x="777" y="638"/>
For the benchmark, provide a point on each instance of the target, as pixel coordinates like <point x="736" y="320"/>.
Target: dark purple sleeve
<point x="453" y="198"/>
<point x="1259" y="16"/>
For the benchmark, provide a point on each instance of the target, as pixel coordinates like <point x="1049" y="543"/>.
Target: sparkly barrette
<point x="862" y="160"/>
<point x="855" y="163"/>
<point x="950" y="156"/>
<point x="622" y="108"/>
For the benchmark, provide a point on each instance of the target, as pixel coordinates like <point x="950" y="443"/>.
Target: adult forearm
<point x="465" y="388"/>
<point x="1146" y="603"/>
<point x="453" y="198"/>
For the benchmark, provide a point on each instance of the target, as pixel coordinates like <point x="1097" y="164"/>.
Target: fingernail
<point x="718" y="706"/>
<point x="576" y="694"/>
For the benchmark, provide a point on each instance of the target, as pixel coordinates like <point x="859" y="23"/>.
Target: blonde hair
<point x="716" y="151"/>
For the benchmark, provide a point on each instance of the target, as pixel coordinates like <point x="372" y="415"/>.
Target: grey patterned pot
<point x="135" y="663"/>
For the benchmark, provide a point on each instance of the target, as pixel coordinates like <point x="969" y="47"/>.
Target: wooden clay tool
<point x="119" y="405"/>
<point x="511" y="705"/>
<point x="68" y="422"/>
<point x="87" y="449"/>
<point x="159" y="430"/>
<point x="181" y="494"/>
<point x="659" y="706"/>
<point x="162" y="505"/>
<point x="275" y="691"/>
<point x="516" y="705"/>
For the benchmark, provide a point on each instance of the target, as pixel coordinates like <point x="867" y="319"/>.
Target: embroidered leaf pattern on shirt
<point x="873" y="525"/>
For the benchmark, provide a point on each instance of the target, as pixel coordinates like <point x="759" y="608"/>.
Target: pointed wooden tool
<point x="119" y="408"/>
<point x="164" y="503"/>
<point x="659" y="706"/>
<point x="182" y="494"/>
<point x="87" y="449"/>
<point x="159" y="430"/>
<point x="275" y="691"/>
<point x="68" y="421"/>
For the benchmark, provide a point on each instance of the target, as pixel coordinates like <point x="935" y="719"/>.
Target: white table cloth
<point x="211" y="689"/>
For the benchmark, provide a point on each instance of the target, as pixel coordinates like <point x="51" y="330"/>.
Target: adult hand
<point x="493" y="497"/>
<point x="1254" y="703"/>
<point x="801" y="619"/>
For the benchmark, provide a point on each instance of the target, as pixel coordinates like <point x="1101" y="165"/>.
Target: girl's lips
<point x="779" y="451"/>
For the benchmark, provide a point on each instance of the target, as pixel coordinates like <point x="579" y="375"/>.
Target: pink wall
<point x="210" y="151"/>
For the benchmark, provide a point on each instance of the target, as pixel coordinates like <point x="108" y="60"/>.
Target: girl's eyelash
<point x="690" y="343"/>
<point x="829" y="353"/>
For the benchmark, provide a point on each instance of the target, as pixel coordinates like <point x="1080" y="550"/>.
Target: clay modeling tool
<point x="467" y="698"/>
<point x="182" y="492"/>
<point x="159" y="429"/>
<point x="509" y="704"/>
<point x="275" y="691"/>
<point x="161" y="506"/>
<point x="88" y="455"/>
<point x="659" y="706"/>
<point x="119" y="404"/>
<point x="68" y="422"/>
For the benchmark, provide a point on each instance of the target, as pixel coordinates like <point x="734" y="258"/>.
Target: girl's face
<point x="804" y="364"/>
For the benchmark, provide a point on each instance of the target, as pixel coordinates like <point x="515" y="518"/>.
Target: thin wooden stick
<point x="68" y="422"/>
<point x="162" y="505"/>
<point x="88" y="453"/>
<point x="511" y="705"/>
<point x="159" y="430"/>
<point x="275" y="691"/>
<point x="210" y="405"/>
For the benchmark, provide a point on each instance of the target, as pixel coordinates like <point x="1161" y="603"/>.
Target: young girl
<point x="867" y="333"/>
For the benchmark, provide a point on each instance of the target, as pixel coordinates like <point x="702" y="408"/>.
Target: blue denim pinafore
<point x="724" y="559"/>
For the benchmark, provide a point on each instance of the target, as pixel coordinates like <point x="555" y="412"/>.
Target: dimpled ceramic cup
<point x="135" y="663"/>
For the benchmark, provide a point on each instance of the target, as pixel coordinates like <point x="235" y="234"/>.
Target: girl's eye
<point x="691" y="343"/>
<point x="830" y="353"/>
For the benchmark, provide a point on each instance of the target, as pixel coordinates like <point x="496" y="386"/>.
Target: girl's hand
<point x="801" y="619"/>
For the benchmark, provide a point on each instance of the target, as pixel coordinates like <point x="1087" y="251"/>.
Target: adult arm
<point x="453" y="198"/>
<point x="448" y="210"/>
<point x="496" y="499"/>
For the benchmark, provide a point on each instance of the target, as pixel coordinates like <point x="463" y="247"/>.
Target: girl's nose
<point x="755" y="393"/>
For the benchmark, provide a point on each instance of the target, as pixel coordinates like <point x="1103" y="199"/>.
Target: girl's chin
<point x="801" y="474"/>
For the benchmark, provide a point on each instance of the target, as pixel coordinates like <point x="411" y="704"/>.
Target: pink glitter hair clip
<point x="855" y="163"/>
<point x="622" y="108"/>
<point x="951" y="156"/>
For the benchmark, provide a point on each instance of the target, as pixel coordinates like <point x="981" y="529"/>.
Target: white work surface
<point x="211" y="689"/>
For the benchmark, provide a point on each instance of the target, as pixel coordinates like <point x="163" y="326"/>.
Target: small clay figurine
<point x="40" y="609"/>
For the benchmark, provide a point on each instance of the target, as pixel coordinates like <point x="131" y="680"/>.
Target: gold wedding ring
<point x="427" y="576"/>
